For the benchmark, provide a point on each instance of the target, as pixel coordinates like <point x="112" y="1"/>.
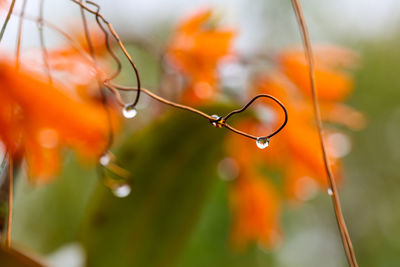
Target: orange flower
<point x="256" y="210"/>
<point x="332" y="82"/>
<point x="3" y="3"/>
<point x="299" y="143"/>
<point x="37" y="119"/>
<point x="195" y="50"/>
<point x="72" y="65"/>
<point x="296" y="151"/>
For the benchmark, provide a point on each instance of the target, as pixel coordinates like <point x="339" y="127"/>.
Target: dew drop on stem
<point x="262" y="142"/>
<point x="105" y="159"/>
<point x="129" y="111"/>
<point x="122" y="190"/>
<point x="216" y="122"/>
<point x="330" y="192"/>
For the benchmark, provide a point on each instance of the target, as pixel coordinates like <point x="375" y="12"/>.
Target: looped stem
<point x="250" y="103"/>
<point x="221" y="121"/>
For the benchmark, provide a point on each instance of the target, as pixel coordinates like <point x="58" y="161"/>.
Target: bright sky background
<point x="328" y="20"/>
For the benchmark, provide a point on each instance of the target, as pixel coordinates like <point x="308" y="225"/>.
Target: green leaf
<point x="48" y="216"/>
<point x="173" y="164"/>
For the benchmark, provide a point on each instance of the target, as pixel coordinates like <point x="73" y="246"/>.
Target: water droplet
<point x="262" y="142"/>
<point x="217" y="122"/>
<point x="129" y="111"/>
<point x="105" y="159"/>
<point x="122" y="190"/>
<point x="330" y="192"/>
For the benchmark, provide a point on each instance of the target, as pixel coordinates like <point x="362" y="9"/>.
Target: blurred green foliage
<point x="371" y="193"/>
<point x="173" y="165"/>
<point x="47" y="217"/>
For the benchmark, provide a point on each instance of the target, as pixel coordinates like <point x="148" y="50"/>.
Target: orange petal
<point x="332" y="84"/>
<point x="36" y="104"/>
<point x="255" y="206"/>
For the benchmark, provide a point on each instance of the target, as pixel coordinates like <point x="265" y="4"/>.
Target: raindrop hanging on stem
<point x="262" y="142"/>
<point x="216" y="121"/>
<point x="122" y="190"/>
<point x="330" y="191"/>
<point x="105" y="159"/>
<point x="129" y="111"/>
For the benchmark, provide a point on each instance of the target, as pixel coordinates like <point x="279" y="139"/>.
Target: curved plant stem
<point x="19" y="34"/>
<point x="43" y="43"/>
<point x="220" y="122"/>
<point x="351" y="258"/>
<point x="120" y="44"/>
<point x="10" y="201"/>
<point x="3" y="28"/>
<point x="92" y="54"/>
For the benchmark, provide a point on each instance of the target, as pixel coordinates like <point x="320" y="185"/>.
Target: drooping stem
<point x="3" y="28"/>
<point x="351" y="258"/>
<point x="115" y="88"/>
<point x="10" y="201"/>
<point x="222" y="121"/>
<point x="43" y="43"/>
<point x="87" y="34"/>
<point x="19" y="35"/>
<point x="120" y="44"/>
<point x="92" y="53"/>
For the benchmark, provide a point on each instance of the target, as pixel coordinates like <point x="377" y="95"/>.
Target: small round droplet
<point x="122" y="190"/>
<point x="216" y="117"/>
<point x="105" y="159"/>
<point x="262" y="142"/>
<point x="216" y="122"/>
<point x="129" y="111"/>
<point x="330" y="192"/>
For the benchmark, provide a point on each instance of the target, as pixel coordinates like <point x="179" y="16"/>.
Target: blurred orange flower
<point x="195" y="50"/>
<point x="3" y="3"/>
<point x="37" y="119"/>
<point x="333" y="82"/>
<point x="72" y="64"/>
<point x="255" y="206"/>
<point x="296" y="151"/>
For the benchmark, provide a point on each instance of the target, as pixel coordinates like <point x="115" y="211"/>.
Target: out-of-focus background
<point x="180" y="217"/>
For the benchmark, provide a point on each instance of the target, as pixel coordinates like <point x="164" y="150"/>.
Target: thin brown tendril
<point x="254" y="99"/>
<point x="18" y="48"/>
<point x="351" y="258"/>
<point x="103" y="96"/>
<point x="114" y="88"/>
<point x="87" y="34"/>
<point x="120" y="44"/>
<point x="43" y="43"/>
<point x="220" y="121"/>
<point x="10" y="11"/>
<point x="107" y="41"/>
<point x="10" y="201"/>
